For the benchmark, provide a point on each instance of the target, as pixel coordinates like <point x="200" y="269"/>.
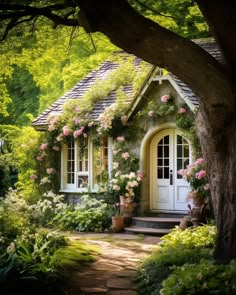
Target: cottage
<point x="132" y="110"/>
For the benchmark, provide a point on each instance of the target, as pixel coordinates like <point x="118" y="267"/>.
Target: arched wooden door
<point x="170" y="152"/>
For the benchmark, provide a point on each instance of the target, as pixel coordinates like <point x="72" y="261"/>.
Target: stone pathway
<point x="113" y="272"/>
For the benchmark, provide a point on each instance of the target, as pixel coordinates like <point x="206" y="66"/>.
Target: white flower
<point x="116" y="187"/>
<point x="11" y="247"/>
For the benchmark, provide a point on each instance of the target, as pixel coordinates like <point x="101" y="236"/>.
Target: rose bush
<point x="196" y="175"/>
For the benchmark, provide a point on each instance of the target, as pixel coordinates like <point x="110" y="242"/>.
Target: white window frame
<point x="73" y="188"/>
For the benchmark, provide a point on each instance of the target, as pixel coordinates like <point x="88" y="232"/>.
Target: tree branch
<point x="148" y="40"/>
<point x="16" y="14"/>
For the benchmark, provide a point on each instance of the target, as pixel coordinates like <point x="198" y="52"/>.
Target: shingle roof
<point x="80" y="89"/>
<point x="85" y="84"/>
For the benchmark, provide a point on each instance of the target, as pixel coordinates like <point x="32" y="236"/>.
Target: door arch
<point x="169" y="152"/>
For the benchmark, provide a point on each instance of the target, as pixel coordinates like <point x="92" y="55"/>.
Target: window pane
<point x="160" y="154"/>
<point x="70" y="163"/>
<point x="166" y="151"/>
<point x="185" y="141"/>
<point x="100" y="161"/>
<point x="166" y="162"/>
<point x="186" y="151"/>
<point x="82" y="181"/>
<point x="179" y="164"/>
<point x="166" y="172"/>
<point x="160" y="142"/>
<point x="159" y="173"/>
<point x="186" y="163"/>
<point x="160" y="162"/>
<point x="179" y="151"/>
<point x="166" y="139"/>
<point x="83" y="158"/>
<point x="179" y="139"/>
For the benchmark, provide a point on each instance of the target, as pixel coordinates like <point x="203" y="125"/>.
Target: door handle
<point x="171" y="177"/>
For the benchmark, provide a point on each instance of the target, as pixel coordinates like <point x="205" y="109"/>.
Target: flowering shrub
<point x="196" y="176"/>
<point x="47" y="207"/>
<point x="165" y="107"/>
<point x="126" y="180"/>
<point x="126" y="186"/>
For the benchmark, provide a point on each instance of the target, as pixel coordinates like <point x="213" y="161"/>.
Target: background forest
<point x="44" y="63"/>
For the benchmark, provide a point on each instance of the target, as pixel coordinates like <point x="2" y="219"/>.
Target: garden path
<point x="113" y="271"/>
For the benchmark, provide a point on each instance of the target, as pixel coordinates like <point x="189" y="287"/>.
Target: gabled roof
<point x="107" y="67"/>
<point x="181" y="88"/>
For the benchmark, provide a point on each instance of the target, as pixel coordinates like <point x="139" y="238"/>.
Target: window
<point x="85" y="167"/>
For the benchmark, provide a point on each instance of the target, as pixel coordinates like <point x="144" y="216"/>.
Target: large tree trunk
<point x="219" y="150"/>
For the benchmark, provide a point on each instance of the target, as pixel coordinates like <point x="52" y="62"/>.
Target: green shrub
<point x="90" y="215"/>
<point x="192" y="237"/>
<point x="157" y="267"/>
<point x="176" y="249"/>
<point x="202" y="278"/>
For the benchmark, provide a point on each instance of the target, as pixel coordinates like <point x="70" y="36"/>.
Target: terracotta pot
<point x="127" y="209"/>
<point x="198" y="199"/>
<point x="196" y="216"/>
<point x="117" y="223"/>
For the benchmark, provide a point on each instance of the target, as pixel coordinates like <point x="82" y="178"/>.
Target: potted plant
<point x="117" y="218"/>
<point x="198" y="198"/>
<point x="128" y="205"/>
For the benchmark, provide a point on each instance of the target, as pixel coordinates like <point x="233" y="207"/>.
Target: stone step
<point x="147" y="231"/>
<point x="166" y="213"/>
<point x="157" y="219"/>
<point x="156" y="222"/>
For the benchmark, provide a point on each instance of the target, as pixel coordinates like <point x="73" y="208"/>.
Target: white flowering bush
<point x="47" y="208"/>
<point x="126" y="180"/>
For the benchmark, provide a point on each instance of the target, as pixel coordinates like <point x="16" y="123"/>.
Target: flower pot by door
<point x="127" y="209"/>
<point x="117" y="223"/>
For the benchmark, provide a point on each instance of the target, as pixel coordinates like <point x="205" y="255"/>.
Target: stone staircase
<point x="159" y="223"/>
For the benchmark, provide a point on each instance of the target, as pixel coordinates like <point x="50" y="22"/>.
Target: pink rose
<point x="201" y="174"/>
<point x="39" y="158"/>
<point x="150" y="114"/>
<point x="66" y="131"/>
<point x="125" y="156"/>
<point x="77" y="133"/>
<point x="44" y="146"/>
<point x="182" y="110"/>
<point x="181" y="172"/>
<point x="199" y="161"/>
<point x="76" y="121"/>
<point x="207" y="187"/>
<point x="56" y="148"/>
<point x="120" y="138"/>
<point x="33" y="177"/>
<point x="165" y="98"/>
<point x="140" y="174"/>
<point x="50" y="170"/>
